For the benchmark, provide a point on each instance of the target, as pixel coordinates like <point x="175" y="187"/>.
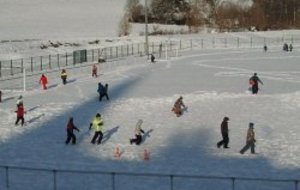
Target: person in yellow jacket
<point x="63" y="76"/>
<point x="97" y="124"/>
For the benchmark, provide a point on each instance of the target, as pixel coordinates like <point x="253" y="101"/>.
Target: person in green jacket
<point x="97" y="124"/>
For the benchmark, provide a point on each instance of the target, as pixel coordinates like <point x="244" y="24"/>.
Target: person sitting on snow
<point x="177" y="109"/>
<point x="138" y="133"/>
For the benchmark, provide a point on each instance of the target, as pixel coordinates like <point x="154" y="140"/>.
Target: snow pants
<point x="248" y="145"/>
<point x="71" y="136"/>
<point x="97" y="133"/>
<point x="225" y="140"/>
<point x="18" y="119"/>
<point x="137" y="140"/>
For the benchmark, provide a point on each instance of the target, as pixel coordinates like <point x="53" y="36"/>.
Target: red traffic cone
<point x="117" y="153"/>
<point x="146" y="155"/>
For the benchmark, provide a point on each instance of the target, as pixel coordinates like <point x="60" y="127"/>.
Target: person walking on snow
<point x="97" y="124"/>
<point x="100" y="90"/>
<point x="94" y="71"/>
<point x="177" y="108"/>
<point x="138" y="133"/>
<point x="64" y="76"/>
<point x="20" y="114"/>
<point x="103" y="92"/>
<point x="253" y="81"/>
<point x="70" y="131"/>
<point x="224" y="132"/>
<point x="250" y="140"/>
<point x="44" y="81"/>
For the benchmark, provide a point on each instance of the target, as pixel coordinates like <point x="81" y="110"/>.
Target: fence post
<point x="58" y="60"/>
<point x="54" y="180"/>
<point x="171" y="182"/>
<point x="0" y="69"/>
<point x="117" y="53"/>
<point x="191" y="42"/>
<point x="138" y="48"/>
<point x="66" y="59"/>
<point x="111" y="56"/>
<point x="233" y="185"/>
<point x="7" y="177"/>
<point x="225" y="41"/>
<point x="31" y="63"/>
<point x="41" y="60"/>
<point x="180" y="44"/>
<point x="92" y="55"/>
<point x="296" y="185"/>
<point x="202" y="43"/>
<point x="11" y="68"/>
<point x="50" y="62"/>
<point x="152" y="47"/>
<point x="22" y="64"/>
<point x="113" y="181"/>
<point x="132" y="52"/>
<point x="213" y="42"/>
<point x="251" y="42"/>
<point x="238" y="42"/>
<point x="122" y="51"/>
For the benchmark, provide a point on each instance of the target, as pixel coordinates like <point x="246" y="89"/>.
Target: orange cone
<point x="146" y="155"/>
<point x="117" y="153"/>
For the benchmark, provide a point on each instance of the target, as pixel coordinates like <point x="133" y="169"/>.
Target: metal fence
<point x="44" y="63"/>
<point x="58" y="180"/>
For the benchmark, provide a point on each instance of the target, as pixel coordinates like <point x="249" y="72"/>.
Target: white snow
<point x="213" y="84"/>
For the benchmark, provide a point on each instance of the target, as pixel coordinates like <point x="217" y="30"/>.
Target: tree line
<point x="224" y="15"/>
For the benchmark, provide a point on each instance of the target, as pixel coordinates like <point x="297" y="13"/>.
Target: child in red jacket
<point x="20" y="114"/>
<point x="44" y="81"/>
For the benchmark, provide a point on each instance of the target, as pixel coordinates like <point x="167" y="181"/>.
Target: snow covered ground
<point x="213" y="83"/>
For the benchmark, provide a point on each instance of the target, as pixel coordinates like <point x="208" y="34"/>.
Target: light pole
<point x="146" y="30"/>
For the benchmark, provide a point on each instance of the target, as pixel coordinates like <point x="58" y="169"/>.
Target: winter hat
<point x="226" y="118"/>
<point x="98" y="115"/>
<point x="251" y="125"/>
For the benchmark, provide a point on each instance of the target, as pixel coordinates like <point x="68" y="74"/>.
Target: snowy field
<point x="213" y="83"/>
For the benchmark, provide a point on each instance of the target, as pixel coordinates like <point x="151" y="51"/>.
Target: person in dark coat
<point x="250" y="140"/>
<point x="224" y="132"/>
<point x="178" y="105"/>
<point x="291" y="47"/>
<point x="20" y="114"/>
<point x="70" y="131"/>
<point x="253" y="81"/>
<point x="138" y="133"/>
<point x="100" y="90"/>
<point x="103" y="93"/>
<point x="265" y="48"/>
<point x="152" y="58"/>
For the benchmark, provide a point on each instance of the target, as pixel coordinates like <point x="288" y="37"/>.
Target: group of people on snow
<point x="250" y="138"/>
<point x="63" y="75"/>
<point x="97" y="125"/>
<point x="287" y="47"/>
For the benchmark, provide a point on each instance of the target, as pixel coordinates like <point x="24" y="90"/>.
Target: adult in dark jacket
<point x="100" y="90"/>
<point x="70" y="131"/>
<point x="224" y="132"/>
<point x="253" y="81"/>
<point x="103" y="93"/>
